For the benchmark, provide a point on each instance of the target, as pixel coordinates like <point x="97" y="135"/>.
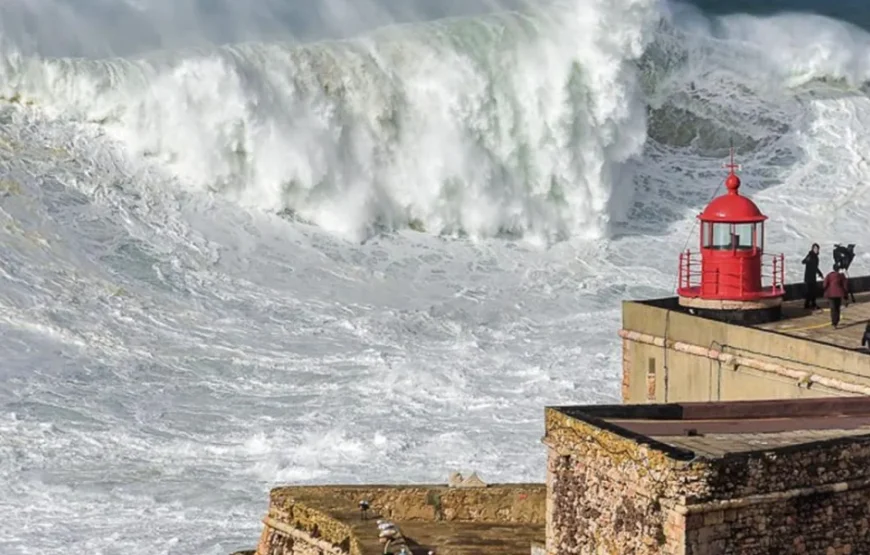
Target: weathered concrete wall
<point x="653" y="373"/>
<point x="610" y="494"/>
<point x="688" y="377"/>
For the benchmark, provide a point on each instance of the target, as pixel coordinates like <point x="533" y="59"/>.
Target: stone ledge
<point x="502" y="519"/>
<point x="311" y="526"/>
<point x="773" y="497"/>
<point x="327" y="546"/>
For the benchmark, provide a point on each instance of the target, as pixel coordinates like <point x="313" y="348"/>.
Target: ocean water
<point x="249" y="244"/>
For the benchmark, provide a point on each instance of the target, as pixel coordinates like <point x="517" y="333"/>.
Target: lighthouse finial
<point x="732" y="166"/>
<point x="732" y="182"/>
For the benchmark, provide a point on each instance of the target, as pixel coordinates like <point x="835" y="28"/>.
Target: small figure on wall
<point x="811" y="271"/>
<point x="836" y="289"/>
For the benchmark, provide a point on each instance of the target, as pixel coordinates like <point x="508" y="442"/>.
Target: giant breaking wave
<point x="517" y="123"/>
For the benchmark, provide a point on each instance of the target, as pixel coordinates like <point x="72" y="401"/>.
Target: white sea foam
<point x="172" y="348"/>
<point x="512" y="123"/>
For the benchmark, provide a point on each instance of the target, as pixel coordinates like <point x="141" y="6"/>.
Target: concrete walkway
<point x="816" y="325"/>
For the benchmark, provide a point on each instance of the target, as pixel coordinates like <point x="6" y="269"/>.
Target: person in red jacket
<point x="836" y="289"/>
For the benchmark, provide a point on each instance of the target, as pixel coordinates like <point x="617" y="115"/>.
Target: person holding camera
<point x="843" y="257"/>
<point x="811" y="270"/>
<point x="836" y="289"/>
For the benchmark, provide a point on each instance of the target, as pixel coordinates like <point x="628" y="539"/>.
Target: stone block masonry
<point x="611" y="490"/>
<point x="608" y="494"/>
<point x="502" y="519"/>
<point x="302" y="530"/>
<point x="812" y="499"/>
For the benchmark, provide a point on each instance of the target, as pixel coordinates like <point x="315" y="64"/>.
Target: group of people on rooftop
<point x="835" y="286"/>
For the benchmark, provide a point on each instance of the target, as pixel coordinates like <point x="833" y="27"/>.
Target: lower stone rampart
<point x="325" y="520"/>
<point x="495" y="503"/>
<point x="296" y="529"/>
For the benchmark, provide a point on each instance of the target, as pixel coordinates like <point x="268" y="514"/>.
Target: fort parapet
<point x="506" y="518"/>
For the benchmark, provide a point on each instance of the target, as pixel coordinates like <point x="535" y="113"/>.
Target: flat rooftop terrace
<point x="713" y="430"/>
<point x="816" y="325"/>
<point x="492" y="531"/>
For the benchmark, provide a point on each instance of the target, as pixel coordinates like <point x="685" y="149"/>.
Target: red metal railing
<point x="693" y="277"/>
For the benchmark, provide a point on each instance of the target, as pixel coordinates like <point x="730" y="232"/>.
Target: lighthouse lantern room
<point x="732" y="278"/>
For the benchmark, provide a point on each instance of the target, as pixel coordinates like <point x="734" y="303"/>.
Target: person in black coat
<point x="811" y="270"/>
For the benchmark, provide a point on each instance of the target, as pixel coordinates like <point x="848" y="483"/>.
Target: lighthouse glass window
<point x="744" y="234"/>
<point x="724" y="236"/>
<point x="721" y="236"/>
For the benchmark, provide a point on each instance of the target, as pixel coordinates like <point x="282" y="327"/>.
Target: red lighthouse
<point x="727" y="280"/>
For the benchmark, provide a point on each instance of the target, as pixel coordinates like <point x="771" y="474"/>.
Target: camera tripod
<point x="851" y="294"/>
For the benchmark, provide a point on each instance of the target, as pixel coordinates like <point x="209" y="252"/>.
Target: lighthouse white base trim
<point x="722" y="304"/>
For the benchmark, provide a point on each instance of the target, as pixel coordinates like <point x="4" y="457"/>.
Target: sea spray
<point x="516" y="123"/>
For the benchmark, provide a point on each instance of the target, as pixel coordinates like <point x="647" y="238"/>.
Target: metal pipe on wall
<point x="806" y="379"/>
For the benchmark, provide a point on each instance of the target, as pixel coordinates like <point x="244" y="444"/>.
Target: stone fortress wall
<point x="613" y="493"/>
<point x="327" y="520"/>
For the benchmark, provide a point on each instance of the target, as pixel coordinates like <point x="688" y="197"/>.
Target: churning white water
<point x="374" y="257"/>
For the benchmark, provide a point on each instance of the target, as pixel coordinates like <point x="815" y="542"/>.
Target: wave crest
<point x="515" y="122"/>
<point x="519" y="123"/>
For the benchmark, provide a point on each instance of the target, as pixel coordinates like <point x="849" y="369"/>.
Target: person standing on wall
<point x="836" y="288"/>
<point x="811" y="270"/>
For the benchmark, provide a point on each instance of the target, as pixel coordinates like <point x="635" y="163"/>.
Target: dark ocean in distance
<point x="855" y="11"/>
<point x="99" y="28"/>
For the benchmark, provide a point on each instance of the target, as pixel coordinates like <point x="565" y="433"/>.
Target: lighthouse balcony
<point x="757" y="278"/>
